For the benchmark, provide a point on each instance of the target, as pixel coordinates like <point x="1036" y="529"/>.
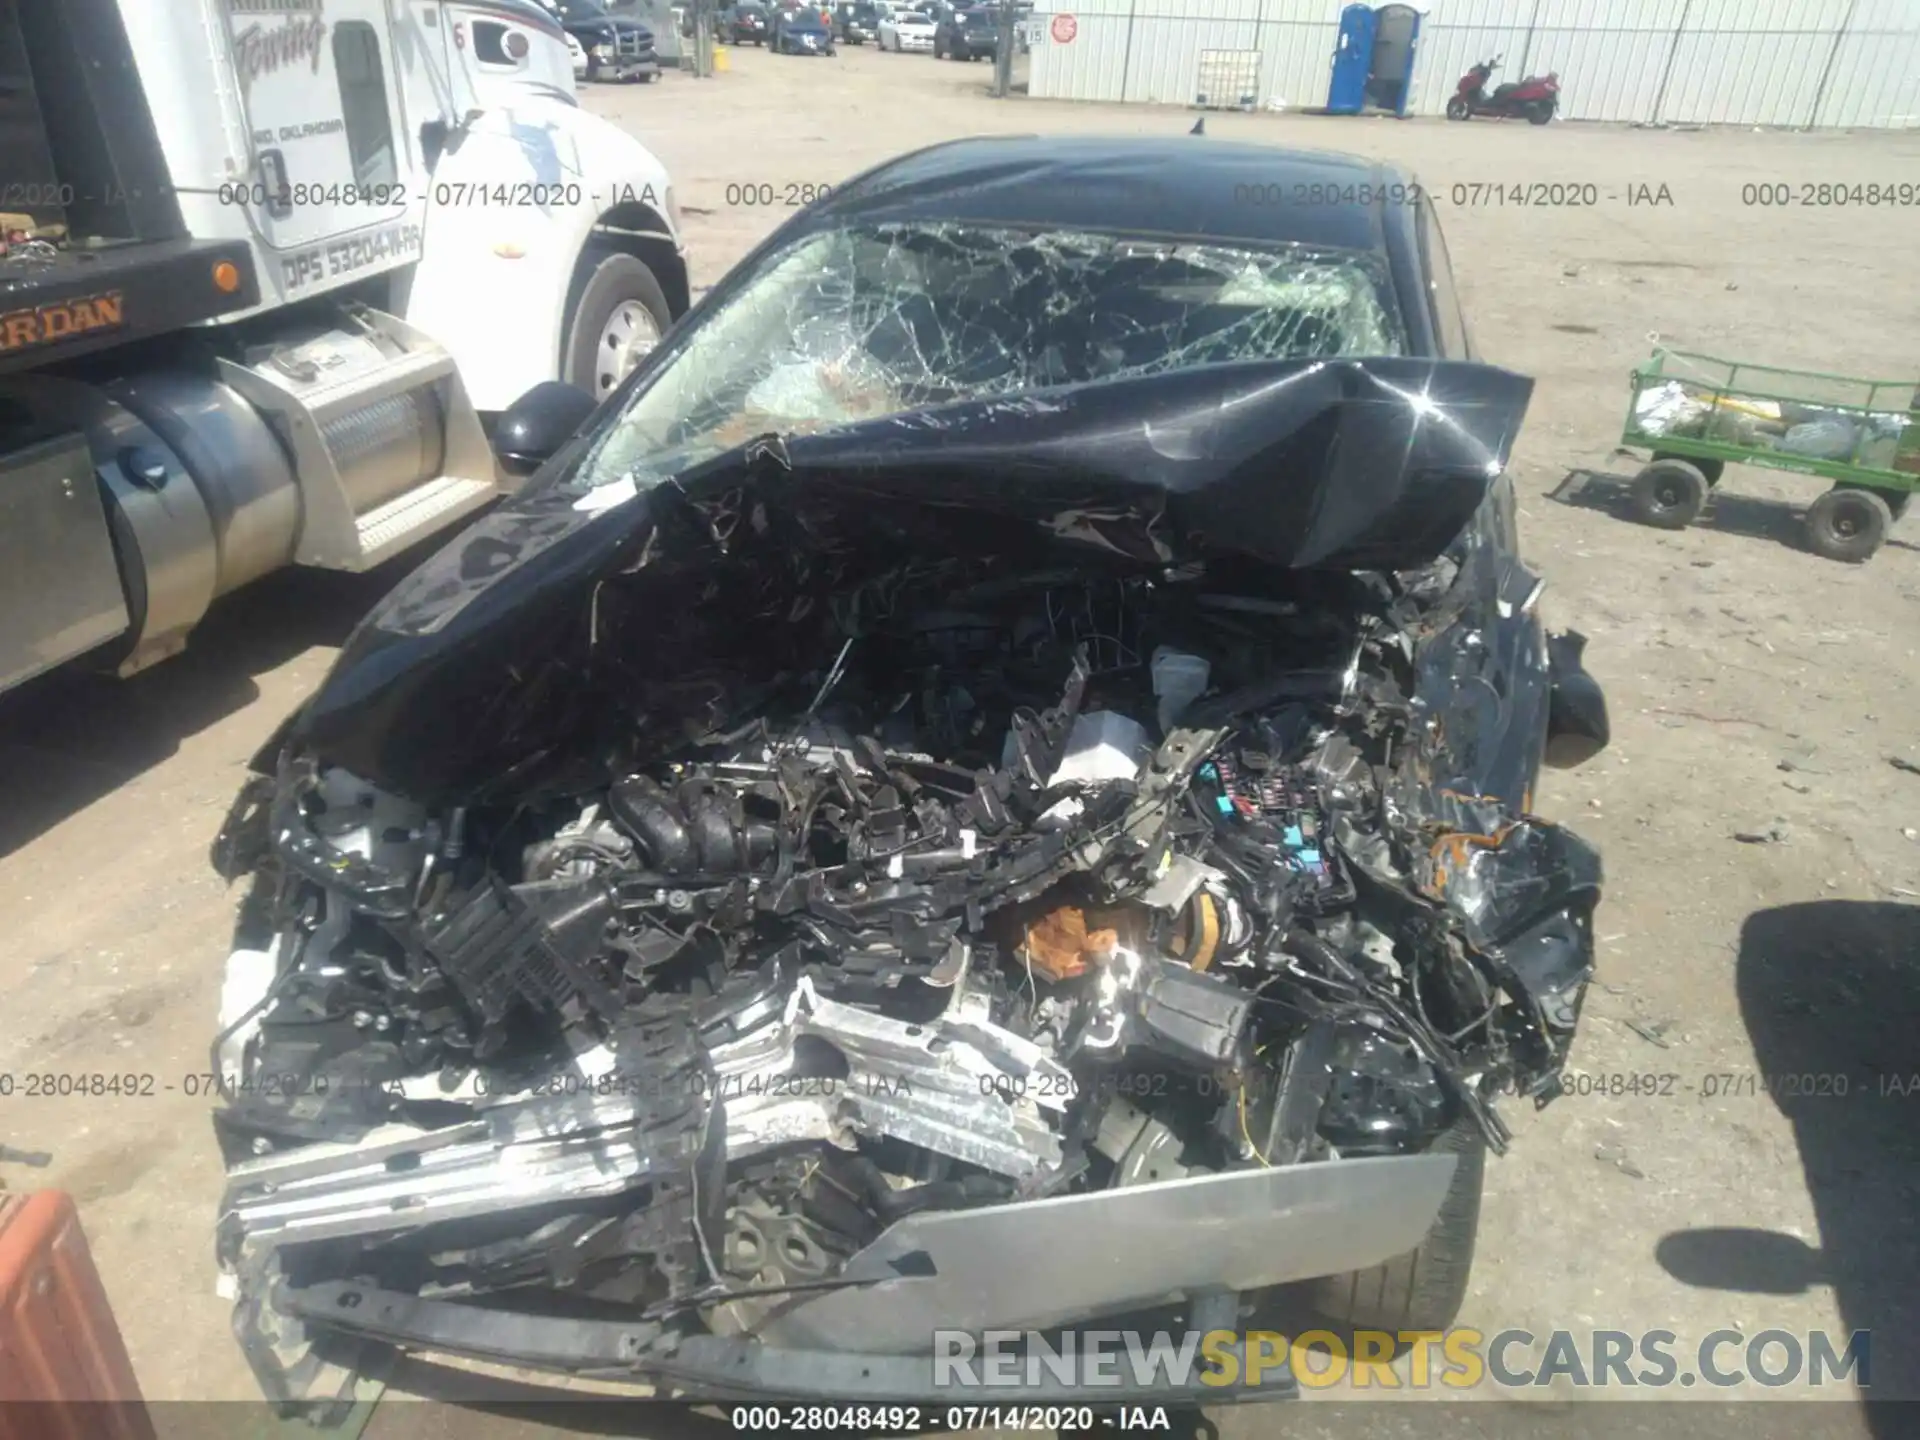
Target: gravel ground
<point x="1756" y="690"/>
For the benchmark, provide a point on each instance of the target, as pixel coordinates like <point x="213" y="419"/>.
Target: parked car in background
<point x="906" y="30"/>
<point x="745" y="24"/>
<point x="856" y="21"/>
<point x="801" y="31"/>
<point x="967" y="35"/>
<point x="617" y="48"/>
<point x="577" y="53"/>
<point x="935" y="10"/>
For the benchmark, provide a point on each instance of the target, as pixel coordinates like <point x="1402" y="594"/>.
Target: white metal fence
<point x="1714" y="62"/>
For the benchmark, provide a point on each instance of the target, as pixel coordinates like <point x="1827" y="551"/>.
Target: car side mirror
<point x="533" y="428"/>
<point x="1577" y="728"/>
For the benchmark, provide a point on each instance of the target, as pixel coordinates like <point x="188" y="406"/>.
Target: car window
<point x="857" y="323"/>
<point x="1449" y="319"/>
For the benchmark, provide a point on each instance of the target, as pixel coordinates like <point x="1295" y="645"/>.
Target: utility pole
<point x="1003" y="54"/>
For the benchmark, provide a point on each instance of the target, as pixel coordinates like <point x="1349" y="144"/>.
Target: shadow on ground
<point x="70" y="737"/>
<point x="1728" y="512"/>
<point x="1830" y="993"/>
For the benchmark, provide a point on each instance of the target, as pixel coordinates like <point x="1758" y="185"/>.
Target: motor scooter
<point x="1534" y="99"/>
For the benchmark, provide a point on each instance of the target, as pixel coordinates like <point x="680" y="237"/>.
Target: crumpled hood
<point x="496" y="658"/>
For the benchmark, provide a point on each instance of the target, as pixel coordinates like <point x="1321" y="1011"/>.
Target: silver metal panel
<point x="1048" y="1262"/>
<point x="1755" y="64"/>
<point x="1875" y="76"/>
<point x="334" y="388"/>
<point x="386" y="448"/>
<point x="57" y="555"/>
<point x="1733" y="62"/>
<point x="1298" y="56"/>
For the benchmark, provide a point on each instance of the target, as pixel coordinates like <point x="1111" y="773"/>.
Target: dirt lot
<point x="1755" y="689"/>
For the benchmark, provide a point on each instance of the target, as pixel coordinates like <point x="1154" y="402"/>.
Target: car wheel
<point x="1424" y="1288"/>
<point x="1712" y="469"/>
<point x="1848" y="524"/>
<point x="1458" y="109"/>
<point x="617" y="317"/>
<point x="1669" y="494"/>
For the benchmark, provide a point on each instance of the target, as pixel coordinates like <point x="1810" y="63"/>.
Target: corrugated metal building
<point x="1712" y="62"/>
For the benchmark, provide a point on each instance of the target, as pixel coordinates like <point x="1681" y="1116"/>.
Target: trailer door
<point x="330" y="155"/>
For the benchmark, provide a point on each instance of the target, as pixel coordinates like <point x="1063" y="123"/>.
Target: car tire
<point x="612" y="279"/>
<point x="1458" y="109"/>
<point x="1712" y="469"/>
<point x="1669" y="494"/>
<point x="1848" y="524"/>
<point x="1424" y="1288"/>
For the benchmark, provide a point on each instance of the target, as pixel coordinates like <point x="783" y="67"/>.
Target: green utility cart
<point x="1697" y="414"/>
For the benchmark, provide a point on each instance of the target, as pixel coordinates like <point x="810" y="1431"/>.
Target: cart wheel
<point x="1849" y="525"/>
<point x="1896" y="499"/>
<point x="1712" y="469"/>
<point x="1669" y="494"/>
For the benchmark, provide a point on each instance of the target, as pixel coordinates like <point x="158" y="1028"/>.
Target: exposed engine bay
<point x="953" y="881"/>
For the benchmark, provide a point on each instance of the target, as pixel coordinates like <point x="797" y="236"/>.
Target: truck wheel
<point x="1424" y="1288"/>
<point x="618" y="316"/>
<point x="1848" y="525"/>
<point x="1669" y="494"/>
<point x="1712" y="469"/>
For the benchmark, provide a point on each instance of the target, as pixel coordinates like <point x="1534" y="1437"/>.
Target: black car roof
<point x="1188" y="186"/>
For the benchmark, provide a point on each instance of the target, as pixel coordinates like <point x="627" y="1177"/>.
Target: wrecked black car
<point x="990" y="785"/>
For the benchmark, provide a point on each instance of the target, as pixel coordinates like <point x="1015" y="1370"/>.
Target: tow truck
<point x="269" y="272"/>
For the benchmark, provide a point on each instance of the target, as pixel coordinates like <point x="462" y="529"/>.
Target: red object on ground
<point x="64" y="1370"/>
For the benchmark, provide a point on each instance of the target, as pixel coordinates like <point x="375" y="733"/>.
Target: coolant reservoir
<point x="1103" y="745"/>
<point x="1179" y="679"/>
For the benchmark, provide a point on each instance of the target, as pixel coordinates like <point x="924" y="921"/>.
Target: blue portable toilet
<point x="1373" y="60"/>
<point x="1352" y="61"/>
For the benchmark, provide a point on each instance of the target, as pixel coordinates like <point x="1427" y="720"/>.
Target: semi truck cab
<point x="269" y="268"/>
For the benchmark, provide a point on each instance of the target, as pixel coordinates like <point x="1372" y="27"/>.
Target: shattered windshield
<point x="853" y="324"/>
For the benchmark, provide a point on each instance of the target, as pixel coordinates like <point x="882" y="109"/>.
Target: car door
<point x="320" y="90"/>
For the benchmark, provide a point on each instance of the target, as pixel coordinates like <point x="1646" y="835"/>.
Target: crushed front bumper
<point x="1034" y="1266"/>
